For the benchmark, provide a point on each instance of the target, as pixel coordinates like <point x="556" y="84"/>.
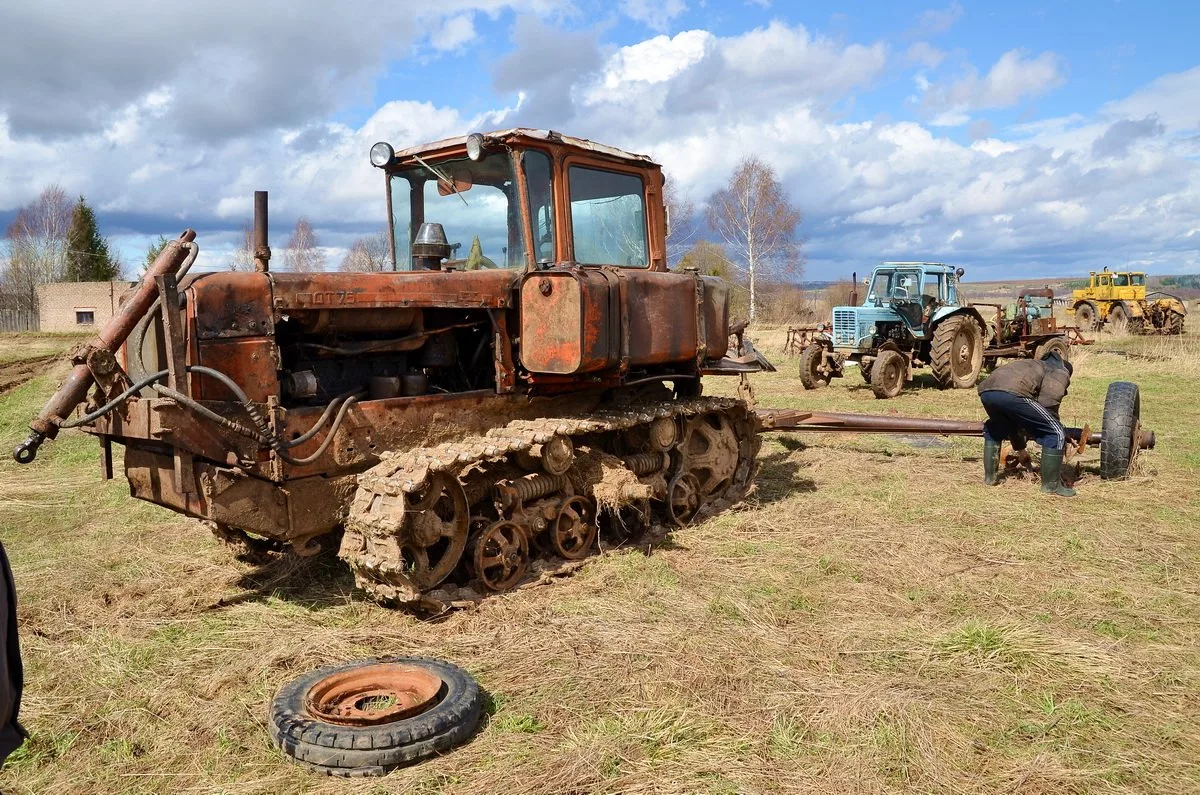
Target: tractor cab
<point x="903" y="298"/>
<point x="522" y="199"/>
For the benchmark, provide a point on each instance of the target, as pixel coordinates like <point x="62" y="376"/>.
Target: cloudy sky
<point x="1034" y="138"/>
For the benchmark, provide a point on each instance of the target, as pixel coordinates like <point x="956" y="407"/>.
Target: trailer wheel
<point x="368" y="717"/>
<point x="1085" y="317"/>
<point x="1057" y="345"/>
<point x="1121" y="431"/>
<point x="887" y="374"/>
<point x="810" y="364"/>
<point x="956" y="355"/>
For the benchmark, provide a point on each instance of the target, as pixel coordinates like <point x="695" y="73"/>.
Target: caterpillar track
<point x="431" y="528"/>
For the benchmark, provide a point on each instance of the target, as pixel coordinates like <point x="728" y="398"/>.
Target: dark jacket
<point x="1030" y="378"/>
<point x="12" y="676"/>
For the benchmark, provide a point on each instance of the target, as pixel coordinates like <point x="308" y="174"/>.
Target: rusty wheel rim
<point x="435" y="531"/>
<point x="370" y="695"/>
<point x="684" y="499"/>
<point x="501" y="556"/>
<point x="710" y="452"/>
<point x="574" y="531"/>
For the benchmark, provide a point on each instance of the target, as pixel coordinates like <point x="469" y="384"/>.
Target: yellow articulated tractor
<point x="1120" y="298"/>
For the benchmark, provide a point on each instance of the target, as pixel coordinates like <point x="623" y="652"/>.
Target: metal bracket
<point x="172" y="318"/>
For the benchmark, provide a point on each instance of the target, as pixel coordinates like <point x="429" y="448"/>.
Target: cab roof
<point x="517" y="133"/>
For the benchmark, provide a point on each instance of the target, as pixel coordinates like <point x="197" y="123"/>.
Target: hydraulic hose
<point x="262" y="435"/>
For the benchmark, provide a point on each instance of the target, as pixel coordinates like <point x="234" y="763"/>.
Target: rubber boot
<point x="1052" y="463"/>
<point x="991" y="462"/>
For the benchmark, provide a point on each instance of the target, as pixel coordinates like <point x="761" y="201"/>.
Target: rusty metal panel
<point x="660" y="311"/>
<point x="715" y="312"/>
<point x="230" y="305"/>
<point x="249" y="361"/>
<point x="451" y="289"/>
<point x="570" y="322"/>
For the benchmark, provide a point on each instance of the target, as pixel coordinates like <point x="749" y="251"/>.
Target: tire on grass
<point x="1121" y="430"/>
<point x="1085" y="316"/>
<point x="887" y="374"/>
<point x="374" y="749"/>
<point x="956" y="355"/>
<point x="1057" y="345"/>
<point x="810" y="361"/>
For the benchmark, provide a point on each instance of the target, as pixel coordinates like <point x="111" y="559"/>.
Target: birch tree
<point x="242" y="259"/>
<point x="681" y="222"/>
<point x="368" y="255"/>
<point x="37" y="246"/>
<point x="758" y="224"/>
<point x="303" y="254"/>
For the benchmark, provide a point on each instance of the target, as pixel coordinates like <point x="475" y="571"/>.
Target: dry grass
<point x="875" y="620"/>
<point x="17" y="347"/>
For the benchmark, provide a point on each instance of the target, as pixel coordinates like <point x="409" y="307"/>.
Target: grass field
<point x="873" y="620"/>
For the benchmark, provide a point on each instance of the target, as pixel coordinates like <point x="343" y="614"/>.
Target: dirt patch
<point x="13" y="374"/>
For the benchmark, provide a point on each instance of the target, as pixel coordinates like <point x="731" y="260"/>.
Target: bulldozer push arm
<point x="97" y="356"/>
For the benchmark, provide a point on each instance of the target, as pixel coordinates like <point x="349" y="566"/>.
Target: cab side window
<point x="608" y="217"/>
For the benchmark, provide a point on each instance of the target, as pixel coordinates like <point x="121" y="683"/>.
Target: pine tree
<point x="88" y="257"/>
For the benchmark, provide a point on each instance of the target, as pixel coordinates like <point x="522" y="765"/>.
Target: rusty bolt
<point x="544" y="286"/>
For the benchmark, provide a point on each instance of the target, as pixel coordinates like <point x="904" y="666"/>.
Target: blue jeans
<point x="1009" y="413"/>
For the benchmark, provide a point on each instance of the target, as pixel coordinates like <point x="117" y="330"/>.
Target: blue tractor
<point x="912" y="317"/>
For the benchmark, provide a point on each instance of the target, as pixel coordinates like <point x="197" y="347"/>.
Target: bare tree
<point x="37" y="245"/>
<point x="303" y="253"/>
<point x="758" y="224"/>
<point x="368" y="255"/>
<point x="242" y="259"/>
<point x="681" y="222"/>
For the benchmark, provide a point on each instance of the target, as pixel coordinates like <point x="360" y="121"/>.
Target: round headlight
<point x="872" y="330"/>
<point x="382" y="154"/>
<point x="474" y="146"/>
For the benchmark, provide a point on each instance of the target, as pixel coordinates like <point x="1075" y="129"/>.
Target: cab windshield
<point x="475" y="201"/>
<point x="902" y="285"/>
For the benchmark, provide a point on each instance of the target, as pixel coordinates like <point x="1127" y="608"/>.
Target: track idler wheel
<point x="434" y="535"/>
<point x="573" y="532"/>
<point x="710" y="453"/>
<point x="501" y="556"/>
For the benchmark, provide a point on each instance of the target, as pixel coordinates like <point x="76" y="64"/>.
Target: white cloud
<point x="1123" y="183"/>
<point x="925" y="54"/>
<point x="654" y="14"/>
<point x="1011" y="79"/>
<point x="939" y="20"/>
<point x="454" y="33"/>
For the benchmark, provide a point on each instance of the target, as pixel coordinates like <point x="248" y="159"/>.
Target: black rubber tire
<point x="1174" y="324"/>
<point x="375" y="750"/>
<point x="865" y="370"/>
<point x="810" y="360"/>
<point x="887" y="374"/>
<point x="1085" y="316"/>
<point x="1057" y="345"/>
<point x="1122" y="422"/>
<point x="948" y="365"/>
<point x="1118" y="315"/>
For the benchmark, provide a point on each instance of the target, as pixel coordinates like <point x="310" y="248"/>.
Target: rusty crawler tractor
<point x="466" y="419"/>
<point x="1120" y="298"/>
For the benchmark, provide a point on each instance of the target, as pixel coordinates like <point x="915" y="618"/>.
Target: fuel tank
<point x="590" y="320"/>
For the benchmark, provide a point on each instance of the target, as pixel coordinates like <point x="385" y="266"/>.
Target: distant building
<point x="78" y="306"/>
